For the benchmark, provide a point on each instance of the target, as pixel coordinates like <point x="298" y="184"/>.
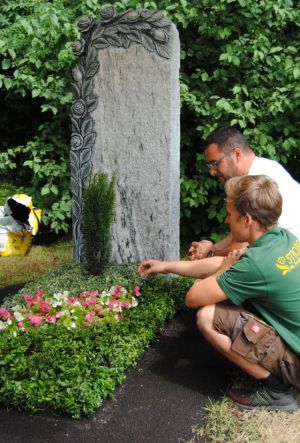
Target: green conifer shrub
<point x="97" y="217"/>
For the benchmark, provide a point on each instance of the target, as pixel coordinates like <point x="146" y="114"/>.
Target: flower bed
<point x="67" y="351"/>
<point x="71" y="312"/>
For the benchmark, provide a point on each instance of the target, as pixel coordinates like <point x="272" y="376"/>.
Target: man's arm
<point x="204" y="292"/>
<point x="208" y="292"/>
<point x="194" y="269"/>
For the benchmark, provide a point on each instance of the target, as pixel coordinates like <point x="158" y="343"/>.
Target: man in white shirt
<point x="228" y="154"/>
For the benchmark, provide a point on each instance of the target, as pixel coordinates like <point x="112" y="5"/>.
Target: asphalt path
<point x="159" y="402"/>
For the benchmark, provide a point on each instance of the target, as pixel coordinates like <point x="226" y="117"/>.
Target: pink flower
<point x="118" y="290"/>
<point x="28" y="298"/>
<point x="90" y="317"/>
<point x="40" y="293"/>
<point x="21" y="324"/>
<point x="51" y="319"/>
<point x="44" y="306"/>
<point x="113" y="304"/>
<point x="126" y="304"/>
<point x="59" y="314"/>
<point x="72" y="300"/>
<point x="99" y="307"/>
<point x="93" y="293"/>
<point x="4" y="313"/>
<point x="35" y="320"/>
<point x="89" y="302"/>
<point x="136" y="291"/>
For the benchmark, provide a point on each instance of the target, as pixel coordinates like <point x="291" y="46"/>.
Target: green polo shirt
<point x="267" y="276"/>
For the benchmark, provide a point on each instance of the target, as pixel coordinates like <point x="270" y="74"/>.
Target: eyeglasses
<point x="215" y="163"/>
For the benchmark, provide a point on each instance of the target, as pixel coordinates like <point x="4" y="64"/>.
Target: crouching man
<point x="264" y="338"/>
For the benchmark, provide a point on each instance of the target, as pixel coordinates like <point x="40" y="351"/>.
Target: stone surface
<point x="126" y="121"/>
<point x="137" y="125"/>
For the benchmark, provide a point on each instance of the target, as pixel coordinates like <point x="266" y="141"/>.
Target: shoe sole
<point x="286" y="408"/>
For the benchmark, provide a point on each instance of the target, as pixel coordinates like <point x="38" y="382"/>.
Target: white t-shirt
<point x="289" y="188"/>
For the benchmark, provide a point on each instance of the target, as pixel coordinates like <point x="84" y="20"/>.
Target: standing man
<point x="228" y="154"/>
<point x="265" y="340"/>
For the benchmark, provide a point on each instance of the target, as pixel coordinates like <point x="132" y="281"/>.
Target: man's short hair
<point x="257" y="195"/>
<point x="226" y="137"/>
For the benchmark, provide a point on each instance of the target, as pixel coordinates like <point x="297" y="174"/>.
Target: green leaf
<point x="6" y="63"/>
<point x="296" y="72"/>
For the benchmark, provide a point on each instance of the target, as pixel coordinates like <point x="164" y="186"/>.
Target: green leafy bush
<point x="97" y="218"/>
<point x="240" y="64"/>
<point x="74" y="371"/>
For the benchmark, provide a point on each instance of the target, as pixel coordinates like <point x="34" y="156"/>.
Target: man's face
<point x="225" y="164"/>
<point x="237" y="223"/>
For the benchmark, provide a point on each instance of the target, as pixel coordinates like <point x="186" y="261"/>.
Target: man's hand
<point x="199" y="250"/>
<point x="230" y="259"/>
<point x="150" y="267"/>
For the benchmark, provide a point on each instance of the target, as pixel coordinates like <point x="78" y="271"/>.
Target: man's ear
<point x="238" y="153"/>
<point x="248" y="220"/>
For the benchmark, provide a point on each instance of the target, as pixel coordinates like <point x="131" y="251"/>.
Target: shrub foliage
<point x="97" y="218"/>
<point x="73" y="371"/>
<point x="240" y="64"/>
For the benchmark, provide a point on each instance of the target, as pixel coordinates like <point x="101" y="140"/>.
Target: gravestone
<point x="125" y="120"/>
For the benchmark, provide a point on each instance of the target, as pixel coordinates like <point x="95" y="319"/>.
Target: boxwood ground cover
<point x="73" y="371"/>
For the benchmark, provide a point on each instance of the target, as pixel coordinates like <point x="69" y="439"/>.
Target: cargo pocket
<point x="257" y="343"/>
<point x="290" y="368"/>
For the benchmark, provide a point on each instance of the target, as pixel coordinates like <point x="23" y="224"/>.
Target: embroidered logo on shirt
<point x="290" y="260"/>
<point x="255" y="328"/>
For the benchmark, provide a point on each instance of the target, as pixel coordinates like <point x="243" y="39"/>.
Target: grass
<point x="226" y="422"/>
<point x="40" y="259"/>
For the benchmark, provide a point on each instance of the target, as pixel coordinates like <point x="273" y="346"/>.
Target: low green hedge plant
<point x="73" y="370"/>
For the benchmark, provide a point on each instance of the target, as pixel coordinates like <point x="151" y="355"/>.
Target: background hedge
<point x="240" y="64"/>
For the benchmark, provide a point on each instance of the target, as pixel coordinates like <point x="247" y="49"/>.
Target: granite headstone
<point x="126" y="121"/>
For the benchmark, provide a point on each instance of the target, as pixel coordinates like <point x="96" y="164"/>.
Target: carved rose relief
<point x="76" y="141"/>
<point x="108" y="13"/>
<point x="79" y="108"/>
<point x="84" y="23"/>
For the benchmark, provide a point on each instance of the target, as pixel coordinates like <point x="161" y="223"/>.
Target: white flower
<point x="16" y="308"/>
<point x="18" y="316"/>
<point x="14" y="333"/>
<point x="73" y="325"/>
<point x="56" y="303"/>
<point x="134" y="302"/>
<point x="59" y="296"/>
<point x="3" y="325"/>
<point x="9" y="322"/>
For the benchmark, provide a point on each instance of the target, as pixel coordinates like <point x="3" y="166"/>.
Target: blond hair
<point x="256" y="195"/>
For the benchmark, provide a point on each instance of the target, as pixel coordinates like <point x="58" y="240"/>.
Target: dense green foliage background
<point x="240" y="64"/>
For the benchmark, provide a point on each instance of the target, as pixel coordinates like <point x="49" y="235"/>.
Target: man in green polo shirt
<point x="264" y="339"/>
